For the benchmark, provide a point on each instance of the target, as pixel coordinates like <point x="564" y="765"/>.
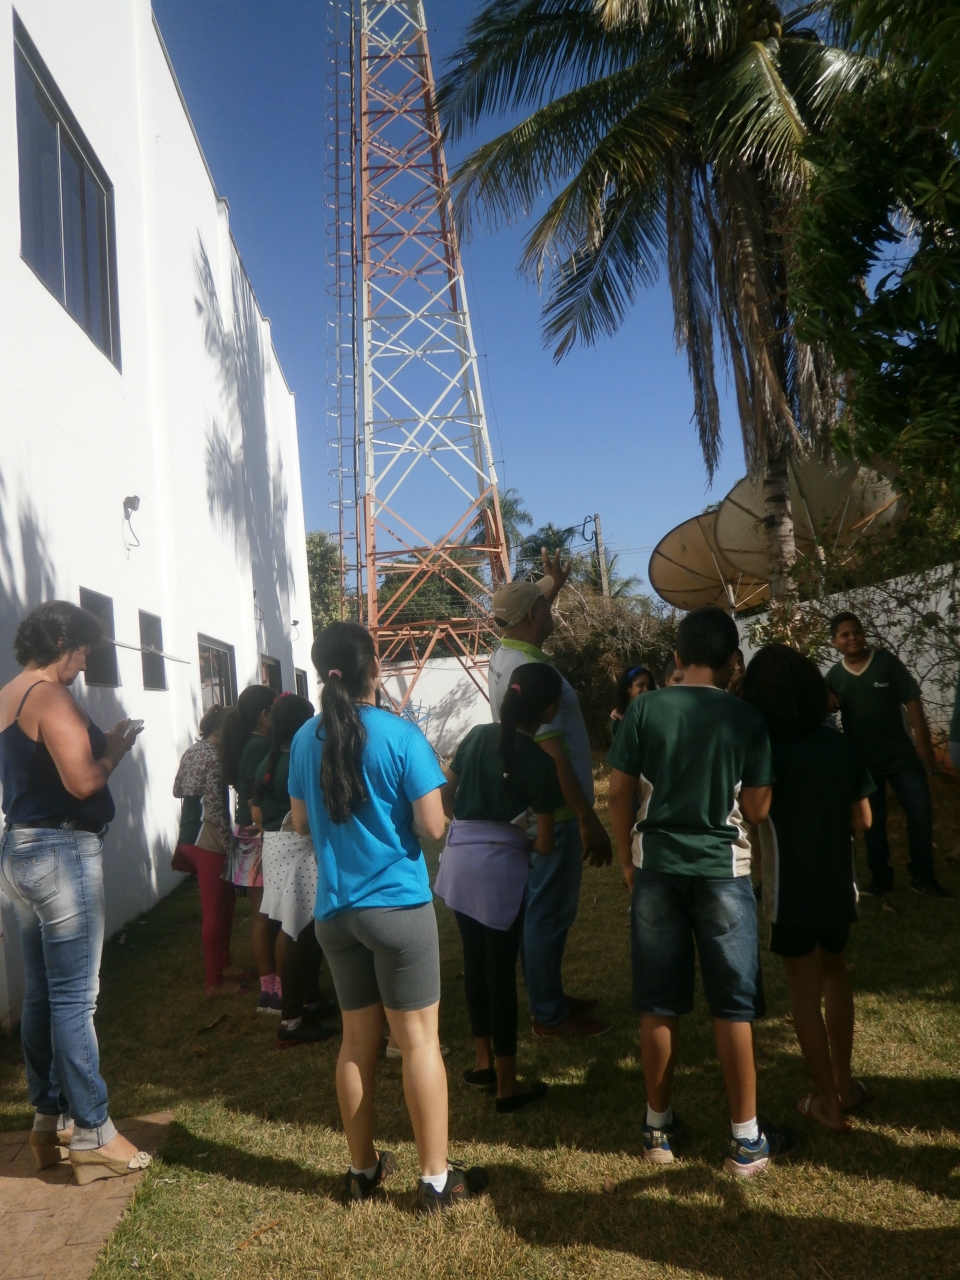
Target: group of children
<point x="705" y="784"/>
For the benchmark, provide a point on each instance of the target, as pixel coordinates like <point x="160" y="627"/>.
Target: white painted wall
<point x="200" y="424"/>
<point x="446" y="703"/>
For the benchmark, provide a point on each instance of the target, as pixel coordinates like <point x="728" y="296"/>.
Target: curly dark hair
<point x="53" y="629"/>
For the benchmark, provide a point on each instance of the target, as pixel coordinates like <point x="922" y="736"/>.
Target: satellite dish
<point x="688" y="570"/>
<point x="837" y="507"/>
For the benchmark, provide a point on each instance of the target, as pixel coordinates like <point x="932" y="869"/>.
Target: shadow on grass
<point x="710" y="1227"/>
<point x="188" y="1151"/>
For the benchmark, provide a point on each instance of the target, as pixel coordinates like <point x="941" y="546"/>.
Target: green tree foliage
<point x="664" y="132"/>
<point x="878" y="245"/>
<point x="323" y="570"/>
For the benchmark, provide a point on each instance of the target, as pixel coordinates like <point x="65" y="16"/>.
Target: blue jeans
<point x="670" y="912"/>
<point x="912" y="789"/>
<point x="553" y="895"/>
<point x="54" y="878"/>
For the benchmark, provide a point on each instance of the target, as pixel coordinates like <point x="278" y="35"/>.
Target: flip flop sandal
<point x="865" y="1097"/>
<point x="805" y="1108"/>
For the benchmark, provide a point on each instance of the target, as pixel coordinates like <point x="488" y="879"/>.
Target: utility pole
<point x="601" y="555"/>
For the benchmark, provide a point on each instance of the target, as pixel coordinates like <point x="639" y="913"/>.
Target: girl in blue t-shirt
<point x="498" y="779"/>
<point x="366" y="785"/>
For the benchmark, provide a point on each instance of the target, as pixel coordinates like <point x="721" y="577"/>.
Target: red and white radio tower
<point x="421" y="533"/>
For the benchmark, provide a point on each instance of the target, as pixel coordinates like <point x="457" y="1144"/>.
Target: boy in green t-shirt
<point x="701" y="758"/>
<point x="872" y="689"/>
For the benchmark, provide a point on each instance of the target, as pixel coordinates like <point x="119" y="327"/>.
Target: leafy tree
<point x="665" y="130"/>
<point x="878" y="242"/>
<point x="323" y="570"/>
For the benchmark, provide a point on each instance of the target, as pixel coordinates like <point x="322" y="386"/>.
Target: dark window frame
<point x="152" y="664"/>
<point x="271" y="664"/>
<point x="300" y="679"/>
<point x="26" y="50"/>
<point x="210" y="642"/>
<point x="102" y="658"/>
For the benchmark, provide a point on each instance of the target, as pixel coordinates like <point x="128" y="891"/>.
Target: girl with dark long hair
<point x="809" y="893"/>
<point x="498" y="784"/>
<point x="289" y="882"/>
<point x="632" y="682"/>
<point x="366" y="785"/>
<point x="244" y="741"/>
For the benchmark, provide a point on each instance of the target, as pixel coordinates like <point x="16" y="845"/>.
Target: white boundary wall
<point x="200" y="424"/>
<point x="445" y="702"/>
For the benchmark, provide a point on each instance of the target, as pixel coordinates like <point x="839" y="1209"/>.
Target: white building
<point x="148" y="439"/>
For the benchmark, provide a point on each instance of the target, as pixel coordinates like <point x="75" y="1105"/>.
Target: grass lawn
<point x="257" y="1140"/>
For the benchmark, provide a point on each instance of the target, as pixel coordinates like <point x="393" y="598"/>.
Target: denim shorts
<point x="670" y="914"/>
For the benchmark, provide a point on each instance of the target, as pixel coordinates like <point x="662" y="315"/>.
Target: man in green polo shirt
<point x="873" y="688"/>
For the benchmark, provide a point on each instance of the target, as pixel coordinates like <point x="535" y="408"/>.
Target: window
<point x="66" y="203"/>
<point x="151" y="651"/>
<point x="301" y="682"/>
<point x="102" y="659"/>
<point x="270" y="673"/>
<point x="218" y="679"/>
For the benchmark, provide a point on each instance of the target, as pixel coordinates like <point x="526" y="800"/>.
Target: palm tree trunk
<point x="778" y="525"/>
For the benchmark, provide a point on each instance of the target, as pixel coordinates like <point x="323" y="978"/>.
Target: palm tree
<point x="664" y="130"/>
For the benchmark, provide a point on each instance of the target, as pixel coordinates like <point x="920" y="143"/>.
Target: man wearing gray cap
<point x="523" y="611"/>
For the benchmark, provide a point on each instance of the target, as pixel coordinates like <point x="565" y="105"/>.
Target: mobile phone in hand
<point x="133" y="727"/>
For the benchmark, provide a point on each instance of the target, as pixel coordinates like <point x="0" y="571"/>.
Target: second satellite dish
<point x="836" y="506"/>
<point x="688" y="571"/>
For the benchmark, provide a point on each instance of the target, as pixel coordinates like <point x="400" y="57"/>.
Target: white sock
<point x="657" y="1119"/>
<point x="367" y="1173"/>
<point x="436" y="1180"/>
<point x="749" y="1131"/>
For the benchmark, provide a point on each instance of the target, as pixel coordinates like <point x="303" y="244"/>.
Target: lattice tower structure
<point x="427" y="465"/>
<point x="342" y="354"/>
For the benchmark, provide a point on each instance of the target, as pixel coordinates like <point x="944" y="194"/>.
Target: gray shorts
<point x="383" y="955"/>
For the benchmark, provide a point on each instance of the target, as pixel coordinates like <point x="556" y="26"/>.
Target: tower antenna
<point x="421" y="528"/>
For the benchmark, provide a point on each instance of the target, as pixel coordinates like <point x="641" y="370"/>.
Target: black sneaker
<point x="305" y="1033"/>
<point x="360" y="1187"/>
<point x="930" y="889"/>
<point x="480" y="1078"/>
<point x="461" y="1184"/>
<point x="746" y="1159"/>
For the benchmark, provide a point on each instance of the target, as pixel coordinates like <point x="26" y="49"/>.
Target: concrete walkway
<point x="50" y="1227"/>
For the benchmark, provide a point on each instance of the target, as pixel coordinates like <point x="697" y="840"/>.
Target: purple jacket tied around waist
<point x="483" y="871"/>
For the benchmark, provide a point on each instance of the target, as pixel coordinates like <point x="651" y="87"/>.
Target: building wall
<point x="200" y="424"/>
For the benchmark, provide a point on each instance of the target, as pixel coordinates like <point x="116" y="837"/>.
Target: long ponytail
<point x="237" y="726"/>
<point x="342" y="654"/>
<point x="533" y="689"/>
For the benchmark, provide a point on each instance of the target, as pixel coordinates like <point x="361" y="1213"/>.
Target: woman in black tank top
<point x="54" y="766"/>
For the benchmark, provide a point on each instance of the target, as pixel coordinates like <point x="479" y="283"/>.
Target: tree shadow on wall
<point x="246" y="498"/>
<point x="27" y="578"/>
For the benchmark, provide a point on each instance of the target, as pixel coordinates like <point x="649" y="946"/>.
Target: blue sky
<point x="608" y="429"/>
